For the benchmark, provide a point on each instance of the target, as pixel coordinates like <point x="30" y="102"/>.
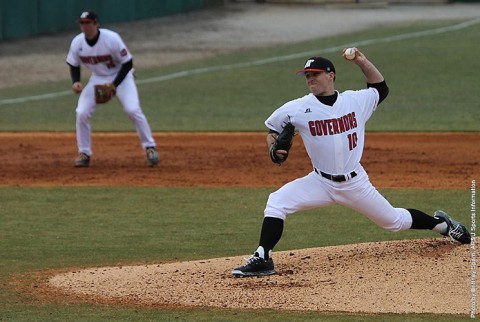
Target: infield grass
<point x="55" y="228"/>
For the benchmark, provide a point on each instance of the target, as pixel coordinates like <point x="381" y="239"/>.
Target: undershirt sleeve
<point x="382" y="89"/>
<point x="123" y="72"/>
<point x="74" y="73"/>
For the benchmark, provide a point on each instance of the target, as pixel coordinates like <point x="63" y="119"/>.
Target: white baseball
<point x="350" y="53"/>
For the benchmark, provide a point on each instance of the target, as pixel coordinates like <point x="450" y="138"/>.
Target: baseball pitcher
<point x="332" y="126"/>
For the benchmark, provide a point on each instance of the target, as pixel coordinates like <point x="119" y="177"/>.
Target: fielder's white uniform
<point x="334" y="138"/>
<point x="104" y="59"/>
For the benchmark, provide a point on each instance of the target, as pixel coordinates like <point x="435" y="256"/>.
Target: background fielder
<point x="332" y="126"/>
<point x="104" y="53"/>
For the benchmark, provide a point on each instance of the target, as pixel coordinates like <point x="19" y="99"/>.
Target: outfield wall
<point x="25" y="18"/>
<point x="365" y="3"/>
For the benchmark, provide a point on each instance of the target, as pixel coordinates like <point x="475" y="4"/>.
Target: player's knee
<point x="132" y="110"/>
<point x="135" y="115"/>
<point x="269" y="212"/>
<point x="274" y="208"/>
<point x="393" y="227"/>
<point x="83" y="115"/>
<point x="402" y="221"/>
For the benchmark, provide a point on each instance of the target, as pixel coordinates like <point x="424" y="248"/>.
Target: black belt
<point x="336" y="178"/>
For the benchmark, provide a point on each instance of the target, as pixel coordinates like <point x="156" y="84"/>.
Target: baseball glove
<point x="283" y="142"/>
<point x="103" y="93"/>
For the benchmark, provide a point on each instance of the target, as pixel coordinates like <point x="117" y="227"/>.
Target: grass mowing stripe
<point x="260" y="62"/>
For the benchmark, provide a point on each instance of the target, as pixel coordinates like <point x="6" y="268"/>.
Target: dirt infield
<point x="393" y="160"/>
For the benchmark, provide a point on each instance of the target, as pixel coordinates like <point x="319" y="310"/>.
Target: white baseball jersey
<point x="334" y="138"/>
<point x="105" y="58"/>
<point x="333" y="135"/>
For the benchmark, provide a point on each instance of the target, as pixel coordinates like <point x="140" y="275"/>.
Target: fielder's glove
<point x="103" y="93"/>
<point x="283" y="142"/>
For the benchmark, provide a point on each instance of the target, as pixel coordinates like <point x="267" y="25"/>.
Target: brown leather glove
<point x="104" y="93"/>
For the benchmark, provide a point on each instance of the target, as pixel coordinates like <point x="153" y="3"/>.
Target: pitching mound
<point x="410" y="276"/>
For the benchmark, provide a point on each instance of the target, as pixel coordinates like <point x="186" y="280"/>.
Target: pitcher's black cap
<point x="316" y="65"/>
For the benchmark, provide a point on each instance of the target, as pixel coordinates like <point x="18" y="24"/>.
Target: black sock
<point x="421" y="220"/>
<point x="272" y="230"/>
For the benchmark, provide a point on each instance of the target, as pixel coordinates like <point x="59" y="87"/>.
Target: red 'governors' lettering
<point x="333" y="126"/>
<point x="93" y="60"/>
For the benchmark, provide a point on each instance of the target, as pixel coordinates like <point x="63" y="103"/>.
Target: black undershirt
<point x="381" y="87"/>
<point x="92" y="42"/>
<point x="328" y="100"/>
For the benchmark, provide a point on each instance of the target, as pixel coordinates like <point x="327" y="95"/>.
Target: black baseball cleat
<point x="152" y="156"/>
<point x="82" y="161"/>
<point x="256" y="266"/>
<point x="455" y="230"/>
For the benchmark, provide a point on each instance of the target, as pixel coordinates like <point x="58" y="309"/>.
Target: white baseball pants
<point x="314" y="191"/>
<point x="128" y="96"/>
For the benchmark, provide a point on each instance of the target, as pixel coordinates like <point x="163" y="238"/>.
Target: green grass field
<point x="433" y="87"/>
<point x="53" y="228"/>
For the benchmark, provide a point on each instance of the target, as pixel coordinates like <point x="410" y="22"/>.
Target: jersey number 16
<point x="352" y="141"/>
